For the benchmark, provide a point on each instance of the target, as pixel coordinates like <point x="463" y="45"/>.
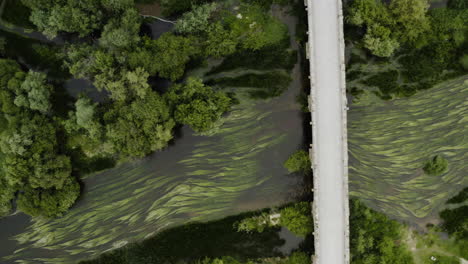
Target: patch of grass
<point x="269" y="84"/>
<point x="269" y="58"/>
<point x="17" y="14"/>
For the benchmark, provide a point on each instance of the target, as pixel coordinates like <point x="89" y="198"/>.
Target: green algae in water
<point x="389" y="143"/>
<point x="204" y="180"/>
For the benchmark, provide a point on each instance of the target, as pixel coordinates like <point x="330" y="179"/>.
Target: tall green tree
<point x="297" y="218"/>
<point x="122" y="32"/>
<point x="54" y="16"/>
<point x="374" y="238"/>
<point x="49" y="202"/>
<point x="389" y="26"/>
<point x="197" y="105"/>
<point x="197" y="20"/>
<point x="34" y="92"/>
<point x="143" y="126"/>
<point x="31" y="149"/>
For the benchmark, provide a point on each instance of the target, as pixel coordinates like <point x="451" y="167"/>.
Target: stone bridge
<point x="329" y="151"/>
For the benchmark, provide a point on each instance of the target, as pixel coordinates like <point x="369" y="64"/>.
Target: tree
<point x="379" y="42"/>
<point x="374" y="238"/>
<point x="7" y="194"/>
<point x="197" y="105"/>
<point x="254" y="223"/>
<point x="298" y="162"/>
<point x="298" y="258"/>
<point x="121" y="32"/>
<point x="436" y="166"/>
<point x="53" y="16"/>
<point x="173" y="52"/>
<point x="30" y="146"/>
<point x="220" y="41"/>
<point x="389" y="26"/>
<point x="197" y="20"/>
<point x="297" y="218"/>
<point x="8" y="69"/>
<point x="118" y="4"/>
<point x="141" y="127"/>
<point x="49" y="202"/>
<point x="33" y="93"/>
<point x="409" y="19"/>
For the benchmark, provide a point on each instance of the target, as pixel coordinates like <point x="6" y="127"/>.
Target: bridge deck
<point x="329" y="150"/>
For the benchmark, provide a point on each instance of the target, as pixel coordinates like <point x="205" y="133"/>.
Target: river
<point x="234" y="168"/>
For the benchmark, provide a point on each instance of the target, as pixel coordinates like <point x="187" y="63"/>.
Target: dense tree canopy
<point x="46" y="137"/>
<point x="31" y="158"/>
<point x="374" y="238"/>
<point x="297" y="218"/>
<point x="388" y="26"/>
<point x="49" y="202"/>
<point x="54" y="16"/>
<point x="196" y="20"/>
<point x="141" y="127"/>
<point x="197" y="105"/>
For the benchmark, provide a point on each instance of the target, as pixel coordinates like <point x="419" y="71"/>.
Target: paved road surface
<point x="328" y="105"/>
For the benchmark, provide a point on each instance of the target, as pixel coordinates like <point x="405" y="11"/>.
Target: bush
<point x="297" y="218"/>
<point x="298" y="162"/>
<point x="254" y="223"/>
<point x="436" y="166"/>
<point x="375" y="239"/>
<point x="298" y="258"/>
<point x="456" y="222"/>
<point x="49" y="202"/>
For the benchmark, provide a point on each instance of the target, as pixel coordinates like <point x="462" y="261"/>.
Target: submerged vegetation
<point x="104" y="44"/>
<point x="390" y="176"/>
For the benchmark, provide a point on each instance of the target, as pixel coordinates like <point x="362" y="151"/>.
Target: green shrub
<point x="297" y="218"/>
<point x="456" y="222"/>
<point x="298" y="258"/>
<point x="254" y="224"/>
<point x="375" y="239"/>
<point x="298" y="162"/>
<point x="436" y="166"/>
